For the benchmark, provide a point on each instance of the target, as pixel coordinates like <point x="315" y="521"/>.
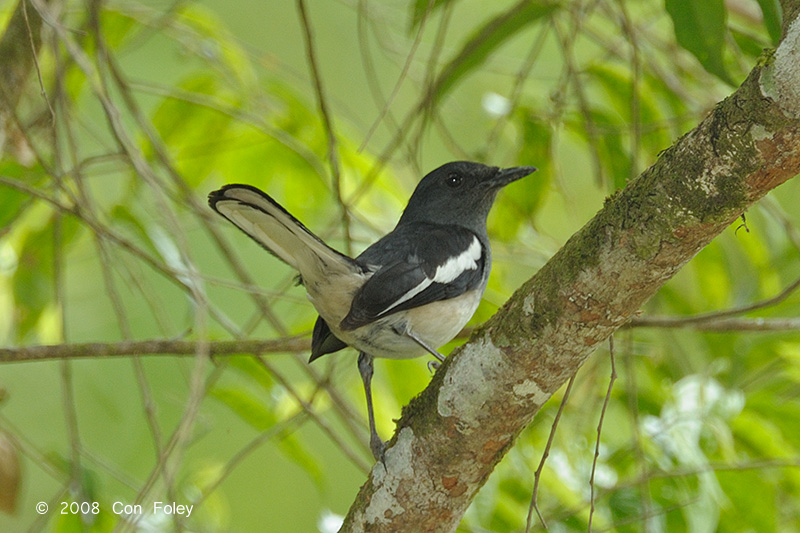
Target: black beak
<point x="505" y="176"/>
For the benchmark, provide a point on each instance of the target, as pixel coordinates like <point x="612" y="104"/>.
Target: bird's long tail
<point x="270" y="225"/>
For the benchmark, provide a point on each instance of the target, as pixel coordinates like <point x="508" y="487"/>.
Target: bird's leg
<point x="365" y="368"/>
<point x="432" y="365"/>
<point x="425" y="345"/>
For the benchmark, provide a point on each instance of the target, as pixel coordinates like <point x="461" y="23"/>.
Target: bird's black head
<point x="460" y="193"/>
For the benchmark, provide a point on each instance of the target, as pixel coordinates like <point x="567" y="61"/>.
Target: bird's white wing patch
<point x="455" y="266"/>
<point x="424" y="284"/>
<point x="445" y="273"/>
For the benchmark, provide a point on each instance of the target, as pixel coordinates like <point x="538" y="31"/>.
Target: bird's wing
<point x="415" y="265"/>
<point x="270" y="225"/>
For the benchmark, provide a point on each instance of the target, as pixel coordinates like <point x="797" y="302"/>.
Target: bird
<point x="407" y="294"/>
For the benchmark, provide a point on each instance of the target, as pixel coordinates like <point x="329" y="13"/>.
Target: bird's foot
<point x="433" y="366"/>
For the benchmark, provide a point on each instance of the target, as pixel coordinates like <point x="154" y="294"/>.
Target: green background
<point x="701" y="432"/>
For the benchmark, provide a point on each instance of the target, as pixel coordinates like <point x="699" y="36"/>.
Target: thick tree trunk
<point x="453" y="434"/>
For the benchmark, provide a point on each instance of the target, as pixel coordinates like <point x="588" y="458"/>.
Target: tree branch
<point x="300" y="344"/>
<point x="717" y="324"/>
<point x="152" y="347"/>
<point x="453" y="434"/>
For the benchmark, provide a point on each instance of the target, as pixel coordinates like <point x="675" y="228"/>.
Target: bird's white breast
<point x="436" y="323"/>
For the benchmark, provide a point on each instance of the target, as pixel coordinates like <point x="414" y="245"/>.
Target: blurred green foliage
<point x="701" y="431"/>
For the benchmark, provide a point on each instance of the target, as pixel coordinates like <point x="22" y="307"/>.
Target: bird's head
<point x="460" y="193"/>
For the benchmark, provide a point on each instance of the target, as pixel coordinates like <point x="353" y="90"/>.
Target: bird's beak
<point x="505" y="176"/>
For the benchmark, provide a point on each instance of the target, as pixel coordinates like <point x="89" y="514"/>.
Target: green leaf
<point x="618" y="85"/>
<point x="520" y="207"/>
<point x="131" y="222"/>
<point x="250" y="367"/>
<point x="752" y="45"/>
<point x="422" y="9"/>
<point x="773" y="15"/>
<point x="33" y="278"/>
<point x="486" y="40"/>
<point x="607" y="141"/>
<point x="246" y="406"/>
<point x="116" y="27"/>
<point x="700" y="28"/>
<point x="260" y="416"/>
<point x="87" y="478"/>
<point x="12" y="201"/>
<point x="753" y="499"/>
<point x="190" y="130"/>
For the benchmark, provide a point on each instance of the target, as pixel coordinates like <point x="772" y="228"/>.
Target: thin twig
<point x="155" y="347"/>
<point x="327" y="121"/>
<point x="35" y="55"/>
<point x="534" y="505"/>
<point x="600" y="428"/>
<point x="386" y="105"/>
<point x="324" y="426"/>
<point x="188" y="195"/>
<point x="636" y="119"/>
<point x="425" y="106"/>
<point x="571" y="76"/>
<point x="189" y="198"/>
<point x="631" y="391"/>
<point x="716" y="315"/>
<point x="280" y="428"/>
<point x="771" y="206"/>
<point x="150" y="347"/>
<point x="516" y="92"/>
<point x="174" y="275"/>
<point x="716" y="325"/>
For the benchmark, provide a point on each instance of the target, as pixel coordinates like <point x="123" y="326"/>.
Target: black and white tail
<point x="270" y="225"/>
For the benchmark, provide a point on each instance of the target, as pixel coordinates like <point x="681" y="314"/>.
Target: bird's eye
<point x="454" y="181"/>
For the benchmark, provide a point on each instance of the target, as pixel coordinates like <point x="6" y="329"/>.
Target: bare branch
<point x="600" y="428"/>
<point x="151" y="347"/>
<point x="327" y="121"/>
<point x="717" y="324"/>
<point x="534" y="505"/>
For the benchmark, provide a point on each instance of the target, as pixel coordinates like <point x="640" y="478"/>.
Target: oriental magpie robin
<point x="407" y="294"/>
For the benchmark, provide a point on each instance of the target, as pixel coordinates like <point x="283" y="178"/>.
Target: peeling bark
<point x="453" y="434"/>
